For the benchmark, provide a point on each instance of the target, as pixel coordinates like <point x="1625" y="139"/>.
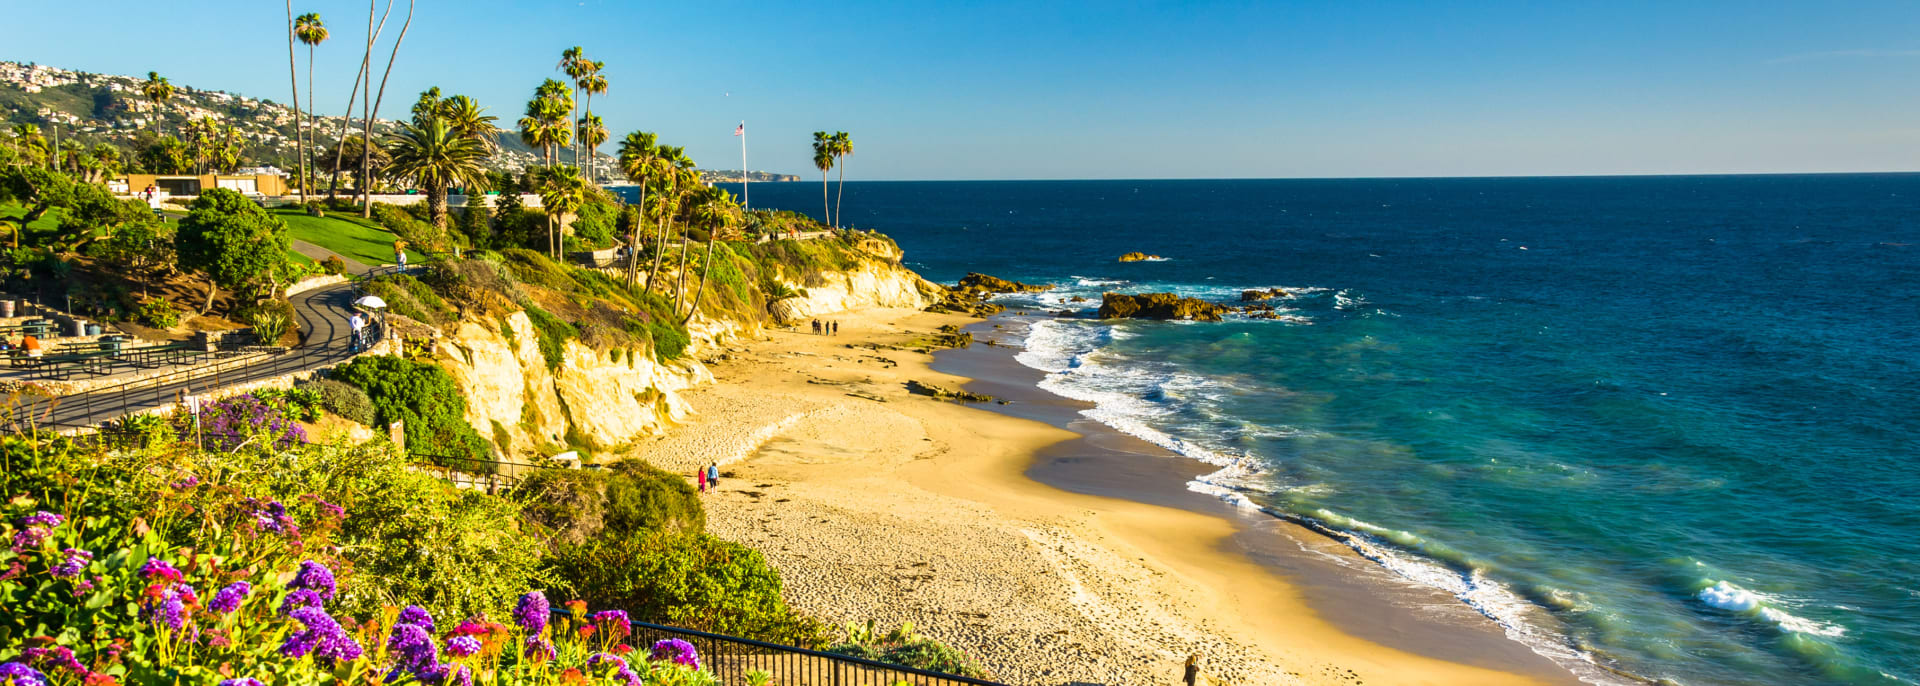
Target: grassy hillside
<point x="350" y="236"/>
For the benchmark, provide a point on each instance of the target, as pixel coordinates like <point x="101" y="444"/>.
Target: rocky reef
<point x="969" y="297"/>
<point x="1139" y="257"/>
<point x="1259" y="295"/>
<point x="1158" y="306"/>
<point x="975" y="282"/>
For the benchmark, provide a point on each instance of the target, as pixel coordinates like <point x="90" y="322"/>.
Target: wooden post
<point x="398" y="432"/>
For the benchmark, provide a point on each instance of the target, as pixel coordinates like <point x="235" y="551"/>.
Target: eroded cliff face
<point x="604" y="398"/>
<point x="875" y="284"/>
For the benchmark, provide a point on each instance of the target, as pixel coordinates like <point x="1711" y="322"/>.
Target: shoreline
<point x="980" y="529"/>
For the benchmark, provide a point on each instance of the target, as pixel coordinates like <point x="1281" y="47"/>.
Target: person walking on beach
<point x="701" y="476"/>
<point x="713" y="475"/>
<point x="836" y="328"/>
<point x="1193" y="670"/>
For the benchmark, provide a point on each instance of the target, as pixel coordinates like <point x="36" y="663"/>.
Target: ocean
<point x="1666" y="425"/>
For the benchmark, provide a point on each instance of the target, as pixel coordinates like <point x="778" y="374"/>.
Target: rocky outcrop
<point x="602" y="398"/>
<point x="871" y="285"/>
<point x="1139" y="257"/>
<point x="941" y="393"/>
<point x="975" y="282"/>
<point x="1158" y="306"/>
<point x="1259" y="295"/>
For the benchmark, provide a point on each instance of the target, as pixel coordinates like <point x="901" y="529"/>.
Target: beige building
<point x="188" y="184"/>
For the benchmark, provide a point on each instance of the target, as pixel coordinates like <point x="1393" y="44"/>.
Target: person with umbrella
<point x="360" y="340"/>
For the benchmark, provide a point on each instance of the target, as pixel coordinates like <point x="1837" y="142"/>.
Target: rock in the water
<point x="1139" y="257"/>
<point x="1158" y="306"/>
<point x="1077" y="299"/>
<point x="975" y="282"/>
<point x="1258" y="295"/>
<point x="930" y="390"/>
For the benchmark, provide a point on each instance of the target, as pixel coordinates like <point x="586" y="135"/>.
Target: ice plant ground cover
<point x="140" y="570"/>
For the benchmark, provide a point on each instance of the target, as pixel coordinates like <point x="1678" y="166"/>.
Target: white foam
<point x="1726" y="596"/>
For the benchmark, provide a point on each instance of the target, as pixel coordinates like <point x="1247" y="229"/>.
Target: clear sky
<point x="1024" y="90"/>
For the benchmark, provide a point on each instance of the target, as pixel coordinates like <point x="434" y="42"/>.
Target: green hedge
<point x="427" y="399"/>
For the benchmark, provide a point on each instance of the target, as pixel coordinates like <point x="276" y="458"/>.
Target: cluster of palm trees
<point x="212" y="146"/>
<point x="308" y="29"/>
<point x="447" y="145"/>
<point x="669" y="177"/>
<point x="829" y="151"/>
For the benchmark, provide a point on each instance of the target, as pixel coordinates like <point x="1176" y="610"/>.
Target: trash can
<point x="93" y="329"/>
<point x="77" y="328"/>
<point x="6" y="308"/>
<point x="113" y="342"/>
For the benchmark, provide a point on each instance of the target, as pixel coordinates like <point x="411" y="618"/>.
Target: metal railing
<point x="731" y="659"/>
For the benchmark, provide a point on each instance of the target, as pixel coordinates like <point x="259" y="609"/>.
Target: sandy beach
<point x="876" y="503"/>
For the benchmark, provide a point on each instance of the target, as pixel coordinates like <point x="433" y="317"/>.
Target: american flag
<point x="740" y="130"/>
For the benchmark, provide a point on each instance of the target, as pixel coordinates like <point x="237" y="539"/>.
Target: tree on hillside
<point x="469" y="120"/>
<point x="823" y="160"/>
<point x="673" y="160"/>
<point x="561" y="193"/>
<point x="142" y="250"/>
<point x="639" y="160"/>
<point x="235" y="243"/>
<point x="366" y="209"/>
<point x="841" y="145"/>
<point x="594" y="82"/>
<point x="713" y="208"/>
<point x="435" y="157"/>
<point x="30" y="144"/>
<point x="591" y="134"/>
<point x="311" y="31"/>
<point x="299" y="132"/>
<point x="574" y="63"/>
<point x="159" y="91"/>
<point x="359" y="77"/>
<point x="545" y="125"/>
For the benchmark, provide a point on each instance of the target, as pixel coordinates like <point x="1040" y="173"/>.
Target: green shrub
<point x="407" y="296"/>
<point x="343" y="399"/>
<point x="691" y="580"/>
<point x="270" y="323"/>
<point x="333" y="265"/>
<point x="299" y="403"/>
<point x="632" y="499"/>
<point x="903" y="646"/>
<point x="158" y="313"/>
<point x="427" y="400"/>
<point x="553" y="335"/>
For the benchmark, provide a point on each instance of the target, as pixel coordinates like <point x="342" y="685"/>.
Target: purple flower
<point x="156" y="567"/>
<point x="21" y="675"/>
<point x="184" y="484"/>
<point x="463" y="646"/>
<point x="455" y="675"/>
<point x="242" y="681"/>
<point x="60" y="657"/>
<point x="532" y="612"/>
<point x="228" y="599"/>
<point x="417" y="616"/>
<point x="315" y="577"/>
<point x="538" y="649"/>
<point x="77" y="561"/>
<point x="30" y="538"/>
<point x="299" y="598"/>
<point x="613" y="622"/>
<point x="413" y="653"/>
<point x="676" y="650"/>
<point x="322" y="637"/>
<point x="42" y="518"/>
<point x="621" y="670"/>
<point x="271" y="516"/>
<point x="170" y="608"/>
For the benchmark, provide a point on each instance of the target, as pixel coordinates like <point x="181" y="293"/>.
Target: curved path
<point x="324" y="339"/>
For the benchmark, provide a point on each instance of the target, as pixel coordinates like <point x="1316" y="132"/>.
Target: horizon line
<point x="1621" y="175"/>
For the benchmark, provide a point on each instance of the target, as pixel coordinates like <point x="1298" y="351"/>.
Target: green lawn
<point x="352" y="237"/>
<point x="47" y="222"/>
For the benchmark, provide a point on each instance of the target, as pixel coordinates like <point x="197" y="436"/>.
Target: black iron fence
<point x="734" y="661"/>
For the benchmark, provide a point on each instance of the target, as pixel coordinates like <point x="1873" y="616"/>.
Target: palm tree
<point x="713" y="208"/>
<point x="639" y="159"/>
<point x="841" y="145"/>
<point x="366" y="60"/>
<point x="468" y="119"/>
<point x="159" y="91"/>
<point x="311" y="31"/>
<point x="573" y="63"/>
<point x="592" y="83"/>
<point x="823" y="160"/>
<point x="591" y="134"/>
<point x="562" y="191"/>
<point x="435" y="156"/>
<point x="366" y="132"/>
<point x="32" y="145"/>
<point x="673" y="164"/>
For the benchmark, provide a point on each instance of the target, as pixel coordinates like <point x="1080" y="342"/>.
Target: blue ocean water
<point x="1662" y="424"/>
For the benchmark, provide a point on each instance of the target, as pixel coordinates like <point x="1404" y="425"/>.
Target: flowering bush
<point x="241" y="420"/>
<point x="122" y="569"/>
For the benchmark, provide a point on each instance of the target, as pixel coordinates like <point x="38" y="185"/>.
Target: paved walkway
<point x="324" y="338"/>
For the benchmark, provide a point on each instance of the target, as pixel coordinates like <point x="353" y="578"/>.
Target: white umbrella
<point x="371" y="302"/>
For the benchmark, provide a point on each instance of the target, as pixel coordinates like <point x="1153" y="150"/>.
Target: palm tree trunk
<point x="825" y="208"/>
<point x="633" y="241"/>
<point x="293" y="77"/>
<point x="306" y="163"/>
<point x="366" y="149"/>
<point x="842" y="192"/>
<point x="706" y="265"/>
<point x="437" y="207"/>
<point x="340" y="148"/>
<point x="680" y="291"/>
<point x="659" y="250"/>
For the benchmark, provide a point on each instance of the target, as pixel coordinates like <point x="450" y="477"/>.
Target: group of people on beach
<point x="708" y="476"/>
<point x="825" y="328"/>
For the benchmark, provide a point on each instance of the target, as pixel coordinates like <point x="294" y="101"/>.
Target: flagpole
<point x="746" y="197"/>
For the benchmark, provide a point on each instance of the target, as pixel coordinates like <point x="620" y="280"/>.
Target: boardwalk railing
<point x="732" y="658"/>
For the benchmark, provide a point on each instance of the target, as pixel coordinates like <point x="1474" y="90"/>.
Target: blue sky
<point x="977" y="90"/>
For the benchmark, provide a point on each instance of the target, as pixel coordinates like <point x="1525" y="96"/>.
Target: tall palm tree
<point x="591" y="133"/>
<point x="159" y="91"/>
<point x="712" y="208"/>
<point x="468" y="119"/>
<point x="293" y="78"/>
<point x="573" y="63"/>
<point x="311" y="31"/>
<point x="639" y="159"/>
<point x="366" y="132"/>
<point x="593" y="83"/>
<point x="841" y="145"/>
<point x="366" y="60"/>
<point x="434" y="155"/>
<point x="562" y="191"/>
<point x="674" y="163"/>
<point x="823" y="160"/>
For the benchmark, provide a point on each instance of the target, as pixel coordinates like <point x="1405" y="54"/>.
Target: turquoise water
<point x="1662" y="425"/>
